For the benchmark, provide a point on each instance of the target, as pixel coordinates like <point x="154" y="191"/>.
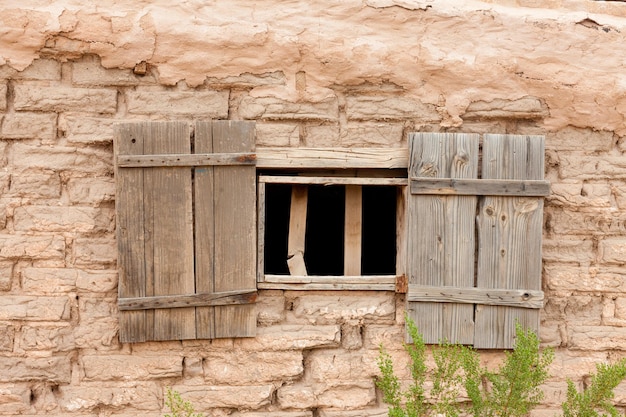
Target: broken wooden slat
<point x="486" y="296"/>
<point x="509" y="233"/>
<point x="353" y="222"/>
<point x="235" y="228"/>
<point x="190" y="300"/>
<point x="297" y="230"/>
<point x="493" y="187"/>
<point x="328" y="158"/>
<point x="185" y="160"/>
<point x="441" y="234"/>
<point x="329" y="283"/>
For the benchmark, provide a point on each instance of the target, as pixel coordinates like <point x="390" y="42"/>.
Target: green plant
<point x="179" y="407"/>
<point x="598" y="395"/>
<point x="511" y="391"/>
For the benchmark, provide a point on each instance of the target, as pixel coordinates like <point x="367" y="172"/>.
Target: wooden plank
<point x="401" y="232"/>
<point x="325" y="287"/>
<point x="185" y="160"/>
<point x="329" y="283"/>
<point x="486" y="296"/>
<point x="169" y="229"/>
<point x="509" y="230"/>
<point x="129" y="139"/>
<point x="452" y="186"/>
<point x="335" y="279"/>
<point x="353" y="225"/>
<point x="441" y="234"/>
<point x="204" y="236"/>
<point x="189" y="300"/>
<point x="328" y="158"/>
<point x="297" y="230"/>
<point x="333" y="180"/>
<point x="235" y="228"/>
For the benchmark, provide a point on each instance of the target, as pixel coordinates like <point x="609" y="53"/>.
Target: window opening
<point x="324" y="253"/>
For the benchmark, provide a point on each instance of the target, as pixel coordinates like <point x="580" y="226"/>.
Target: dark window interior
<point x="325" y="229"/>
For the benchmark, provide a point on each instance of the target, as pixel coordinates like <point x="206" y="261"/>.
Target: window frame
<point x="321" y="165"/>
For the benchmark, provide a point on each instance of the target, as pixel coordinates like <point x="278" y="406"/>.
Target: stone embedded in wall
<point x="27" y="125"/>
<point x="86" y="130"/>
<point x="248" y="80"/>
<point x="274" y="414"/>
<point x="112" y="367"/>
<point x="99" y="333"/>
<point x="45" y="338"/>
<point x="596" y="338"/>
<point x="3" y="97"/>
<point x="372" y="307"/>
<point x="34" y="308"/>
<point x="89" y="73"/>
<point x="44" y="98"/>
<point x="46" y="184"/>
<point x="568" y="250"/>
<point x="291" y="336"/>
<point x="277" y="134"/>
<point x="14" y="399"/>
<point x="7" y="336"/>
<point x="604" y="222"/>
<point x="94" y="252"/>
<point x="86" y="398"/>
<point x="61" y="158"/>
<point x="585" y="310"/>
<point x="63" y="219"/>
<point x="391" y="337"/>
<point x="205" y="397"/>
<point x="612" y="250"/>
<point x="93" y="191"/>
<point x="561" y="277"/>
<point x="6" y="275"/>
<point x="351" y="336"/>
<point x="246" y="368"/>
<point x="272" y="108"/>
<point x="376" y="412"/>
<point x="32" y="247"/>
<point x="581" y="194"/>
<point x="319" y="136"/>
<point x="48" y="280"/>
<point x="575" y="139"/>
<point x="355" y="134"/>
<point x="55" y="369"/>
<point x="204" y="103"/>
<point x="341" y="395"/>
<point x="326" y="365"/>
<point x="270" y="306"/>
<point x="96" y="281"/>
<point x="522" y="108"/>
<point x="395" y="107"/>
<point x="583" y="166"/>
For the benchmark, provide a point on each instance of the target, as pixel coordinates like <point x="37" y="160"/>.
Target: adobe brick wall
<point x="355" y="73"/>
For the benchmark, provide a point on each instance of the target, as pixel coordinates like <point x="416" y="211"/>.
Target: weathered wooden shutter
<point x="186" y="214"/>
<point x="474" y="245"/>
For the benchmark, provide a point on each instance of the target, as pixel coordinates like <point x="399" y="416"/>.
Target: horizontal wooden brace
<point x="189" y="300"/>
<point x="486" y="296"/>
<point x="492" y="187"/>
<point x="185" y="160"/>
<point x="276" y="179"/>
<point x="341" y="158"/>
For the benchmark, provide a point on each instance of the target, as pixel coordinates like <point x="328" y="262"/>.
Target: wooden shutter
<point x="186" y="230"/>
<point x="474" y="245"/>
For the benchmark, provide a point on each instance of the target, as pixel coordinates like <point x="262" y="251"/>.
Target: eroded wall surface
<point x="315" y="74"/>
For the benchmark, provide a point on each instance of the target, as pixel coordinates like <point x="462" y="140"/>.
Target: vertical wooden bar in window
<point x="353" y="230"/>
<point x="297" y="230"/>
<point x="441" y="234"/>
